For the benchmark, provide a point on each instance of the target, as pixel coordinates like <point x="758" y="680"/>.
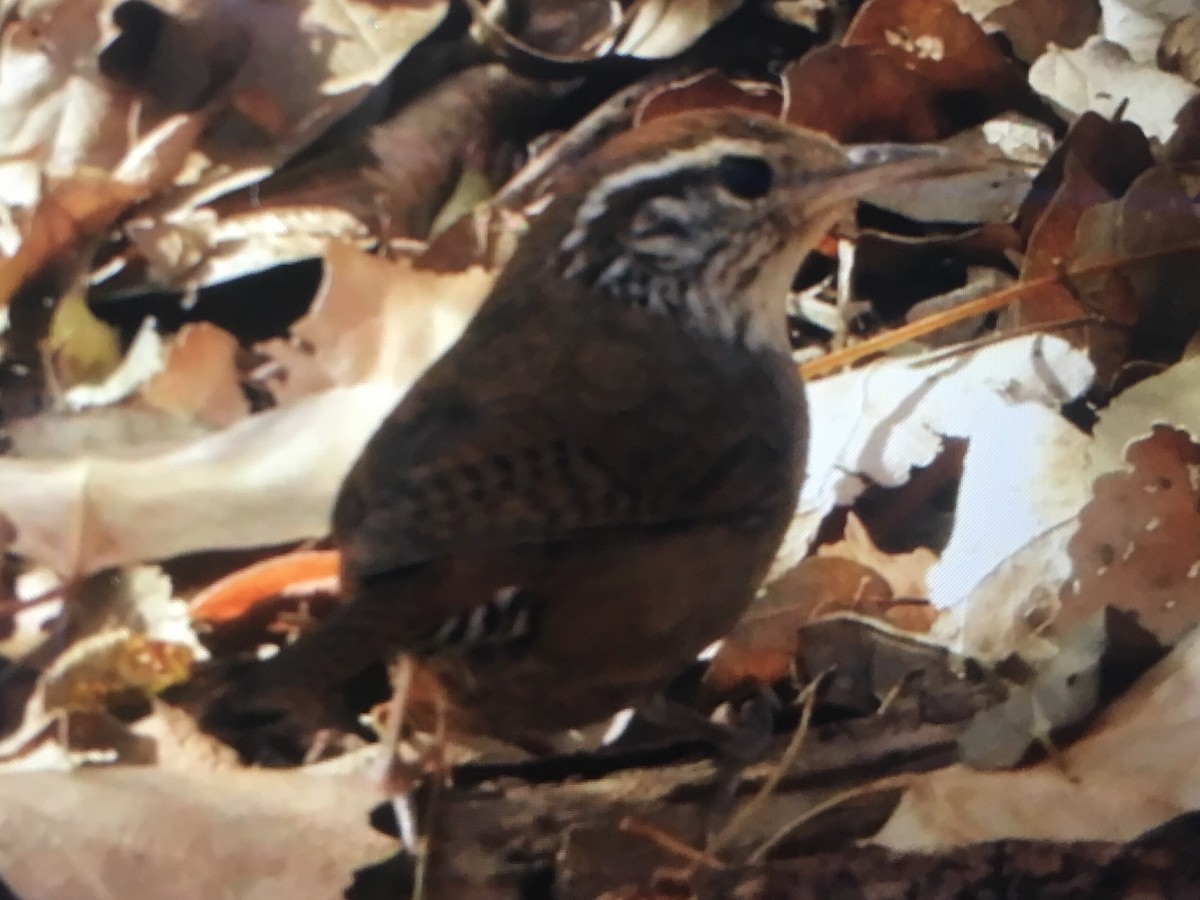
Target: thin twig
<point x="839" y="359"/>
<point x="892" y="782"/>
<point x="671" y="844"/>
<point x="786" y="761"/>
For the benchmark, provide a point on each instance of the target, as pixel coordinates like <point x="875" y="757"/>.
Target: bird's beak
<point x="870" y="166"/>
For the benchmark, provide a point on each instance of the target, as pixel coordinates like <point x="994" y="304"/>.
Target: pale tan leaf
<point x="172" y="835"/>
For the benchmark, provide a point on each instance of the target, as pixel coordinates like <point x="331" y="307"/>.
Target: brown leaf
<point x="199" y="379"/>
<point x="1151" y="237"/>
<point x="1052" y="245"/>
<point x="765" y="642"/>
<point x="1112" y="153"/>
<point x="1097" y="163"/>
<point x="904" y="572"/>
<point x="1031" y="25"/>
<point x="73" y="209"/>
<point x="82" y="205"/>
<point x="711" y="89"/>
<point x="1138" y="544"/>
<point x="947" y="48"/>
<point x="889" y="102"/>
<point x="1179" y="49"/>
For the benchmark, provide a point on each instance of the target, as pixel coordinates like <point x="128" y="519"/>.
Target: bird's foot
<point x="271" y="721"/>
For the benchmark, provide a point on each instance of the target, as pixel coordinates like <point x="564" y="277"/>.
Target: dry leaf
<point x="1004" y="595"/>
<point x="859" y="436"/>
<point x="763" y="646"/>
<point x="711" y="89"/>
<point x="1138" y="543"/>
<point x="267" y="480"/>
<point x="1135" y="769"/>
<point x="199" y="378"/>
<point x="1032" y="25"/>
<point x="1179" y="50"/>
<point x="946" y="47"/>
<point x="376" y="320"/>
<point x="904" y="572"/>
<point x="889" y="103"/>
<point x="1101" y="76"/>
<point x="250" y="834"/>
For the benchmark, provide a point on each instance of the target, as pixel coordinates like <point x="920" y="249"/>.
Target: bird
<point x="589" y="486"/>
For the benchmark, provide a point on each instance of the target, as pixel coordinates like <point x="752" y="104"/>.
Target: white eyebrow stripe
<point x="596" y="201"/>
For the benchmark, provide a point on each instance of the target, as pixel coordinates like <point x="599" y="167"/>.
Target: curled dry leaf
<point x="762" y="648"/>
<point x="889" y="103"/>
<point x="1131" y="263"/>
<point x="84" y="203"/>
<point x="1152" y="258"/>
<point x="72" y="209"/>
<point x="1179" y="50"/>
<point x="1051" y="246"/>
<point x="1112" y="154"/>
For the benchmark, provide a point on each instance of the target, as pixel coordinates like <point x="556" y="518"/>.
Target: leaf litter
<point x="986" y="530"/>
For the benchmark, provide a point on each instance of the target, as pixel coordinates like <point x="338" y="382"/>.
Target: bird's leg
<point x="270" y="709"/>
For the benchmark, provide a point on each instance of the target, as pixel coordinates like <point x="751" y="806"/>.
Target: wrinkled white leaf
<point x="880" y="422"/>
<point x="1023" y="488"/>
<point x="1101" y="76"/>
<point x="266" y="480"/>
<point x="1138" y="25"/>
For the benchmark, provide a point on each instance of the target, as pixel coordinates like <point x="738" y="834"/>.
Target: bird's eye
<point x="748" y="177"/>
